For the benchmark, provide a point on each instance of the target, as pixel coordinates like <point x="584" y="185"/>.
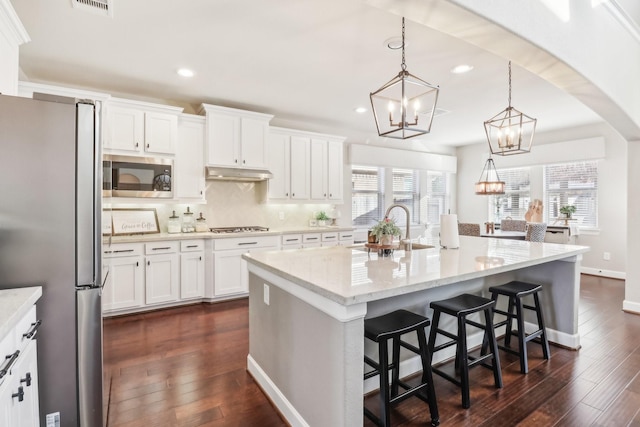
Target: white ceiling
<point x="305" y="61"/>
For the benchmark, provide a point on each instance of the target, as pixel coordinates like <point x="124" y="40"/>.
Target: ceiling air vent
<point x="100" y="7"/>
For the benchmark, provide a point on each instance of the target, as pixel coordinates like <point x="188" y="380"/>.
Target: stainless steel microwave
<point x="129" y="176"/>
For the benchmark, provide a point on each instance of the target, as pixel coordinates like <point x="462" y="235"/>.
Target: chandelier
<point x="510" y="131"/>
<point x="404" y="106"/>
<point x="489" y="183"/>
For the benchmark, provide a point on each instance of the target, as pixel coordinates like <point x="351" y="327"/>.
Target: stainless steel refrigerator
<point x="50" y="211"/>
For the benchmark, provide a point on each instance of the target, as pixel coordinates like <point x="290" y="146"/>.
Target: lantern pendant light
<point x="510" y="131"/>
<point x="489" y="183"/>
<point x="404" y="106"/>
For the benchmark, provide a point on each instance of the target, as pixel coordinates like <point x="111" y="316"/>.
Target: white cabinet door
<point x="24" y="392"/>
<point x="300" y="159"/>
<point x="124" y="129"/>
<point x="318" y="169"/>
<point x="229" y="276"/>
<point x="279" y="166"/>
<point x="162" y="278"/>
<point x="124" y="287"/>
<point x="335" y="170"/>
<point x="223" y="135"/>
<point x="189" y="164"/>
<point x="253" y="151"/>
<point x="192" y="275"/>
<point x="160" y="133"/>
<point x="6" y="403"/>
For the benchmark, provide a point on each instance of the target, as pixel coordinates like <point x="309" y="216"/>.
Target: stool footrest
<point x="410" y="347"/>
<point x="478" y="360"/>
<point x="476" y="324"/>
<point x="446" y="376"/>
<point x="444" y="345"/>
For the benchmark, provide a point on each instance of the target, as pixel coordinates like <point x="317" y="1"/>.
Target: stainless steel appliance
<point x="50" y="211"/>
<point x="129" y="176"/>
<point x="244" y="229"/>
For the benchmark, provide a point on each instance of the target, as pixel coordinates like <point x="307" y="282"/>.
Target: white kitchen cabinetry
<point x="140" y="128"/>
<point x="19" y="405"/>
<point x="330" y="239"/>
<point x="306" y="166"/>
<point x="192" y="269"/>
<point x="189" y="163"/>
<point x="162" y="275"/>
<point x="12" y="35"/>
<point x="236" y="138"/>
<point x="345" y="238"/>
<point x="124" y="272"/>
<point x="311" y="240"/>
<point x="230" y="277"/>
<point x="292" y="241"/>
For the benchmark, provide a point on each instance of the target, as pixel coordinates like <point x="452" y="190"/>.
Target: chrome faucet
<point x="407" y="240"/>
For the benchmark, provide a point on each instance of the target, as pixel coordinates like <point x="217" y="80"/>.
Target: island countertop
<point x="351" y="275"/>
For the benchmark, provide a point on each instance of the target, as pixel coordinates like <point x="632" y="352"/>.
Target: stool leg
<point x="491" y="335"/>
<point x="383" y="355"/>
<point x="395" y="372"/>
<point x="433" y="332"/>
<point x="507" y="336"/>
<point x="427" y="377"/>
<point x="462" y="361"/>
<point x="543" y="336"/>
<point x="522" y="343"/>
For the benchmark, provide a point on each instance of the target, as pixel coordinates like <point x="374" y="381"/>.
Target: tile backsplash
<point x="241" y="204"/>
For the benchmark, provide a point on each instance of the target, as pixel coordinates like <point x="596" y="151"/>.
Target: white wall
<point x="612" y="190"/>
<point x="632" y="285"/>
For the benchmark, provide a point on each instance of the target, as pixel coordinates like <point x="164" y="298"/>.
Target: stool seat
<point x="516" y="291"/>
<point x="460" y="307"/>
<point x="392" y="326"/>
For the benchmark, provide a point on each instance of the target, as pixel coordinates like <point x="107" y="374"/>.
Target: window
<point x="572" y="184"/>
<point x="406" y="192"/>
<point x="436" y="201"/>
<point x="367" y="198"/>
<point x="514" y="203"/>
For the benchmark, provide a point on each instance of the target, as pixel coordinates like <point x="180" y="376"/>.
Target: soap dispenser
<point x="173" y="225"/>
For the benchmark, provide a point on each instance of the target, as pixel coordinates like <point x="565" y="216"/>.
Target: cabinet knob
<point x="244" y="162"/>
<point x="26" y="379"/>
<point x="148" y="262"/>
<point x="147" y="145"/>
<point x="325" y="195"/>
<point x="330" y="195"/>
<point x="200" y="258"/>
<point x="137" y="264"/>
<point x="137" y="145"/>
<point x="286" y="194"/>
<point x="293" y="194"/>
<point x="19" y="394"/>
<point x="235" y="161"/>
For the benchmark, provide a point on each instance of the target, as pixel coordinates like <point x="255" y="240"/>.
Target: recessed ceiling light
<point x="461" y="69"/>
<point x="185" y="72"/>
<point x="360" y="110"/>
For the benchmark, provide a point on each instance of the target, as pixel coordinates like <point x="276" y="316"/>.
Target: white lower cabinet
<point x="292" y="241"/>
<point x="124" y="273"/>
<point x="230" y="275"/>
<point x="192" y="269"/>
<point x="19" y="405"/>
<point x="345" y="238"/>
<point x="162" y="275"/>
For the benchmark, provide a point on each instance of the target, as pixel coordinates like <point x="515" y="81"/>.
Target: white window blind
<point x="367" y="195"/>
<point x="436" y="201"/>
<point x="573" y="184"/>
<point x="514" y="203"/>
<point x="406" y="192"/>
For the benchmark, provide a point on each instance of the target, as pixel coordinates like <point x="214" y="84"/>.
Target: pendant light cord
<point x="509" y="83"/>
<point x="404" y="66"/>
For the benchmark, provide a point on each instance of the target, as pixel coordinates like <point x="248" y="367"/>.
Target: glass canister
<point x="173" y="225"/>
<point x="188" y="222"/>
<point x="201" y="224"/>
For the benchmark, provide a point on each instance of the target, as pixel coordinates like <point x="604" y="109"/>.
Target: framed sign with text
<point x="133" y="221"/>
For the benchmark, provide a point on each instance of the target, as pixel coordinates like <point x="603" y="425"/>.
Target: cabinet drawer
<point x="122" y="249"/>
<point x="312" y="238"/>
<point x="291" y="239"/>
<point x="346" y="235"/>
<point x="191" y="245"/>
<point x="160" y="248"/>
<point x="246" y="242"/>
<point x="330" y="237"/>
<point x="26" y="329"/>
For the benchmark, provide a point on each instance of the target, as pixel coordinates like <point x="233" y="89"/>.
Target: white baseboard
<point x="285" y="407"/>
<point x="631" y="306"/>
<point x="604" y="273"/>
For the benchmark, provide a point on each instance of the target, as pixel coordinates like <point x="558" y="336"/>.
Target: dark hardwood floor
<point x="186" y="367"/>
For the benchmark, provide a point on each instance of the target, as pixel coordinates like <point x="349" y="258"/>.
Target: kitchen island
<point x="307" y="310"/>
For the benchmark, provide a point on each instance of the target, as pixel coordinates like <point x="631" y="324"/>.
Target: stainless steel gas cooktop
<point x="249" y="229"/>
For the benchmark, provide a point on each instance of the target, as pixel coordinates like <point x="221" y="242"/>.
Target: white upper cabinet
<point x="306" y="166"/>
<point x="140" y="128"/>
<point x="189" y="164"/>
<point x="236" y="138"/>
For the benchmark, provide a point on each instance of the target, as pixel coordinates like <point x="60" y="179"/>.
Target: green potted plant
<point x="567" y="211"/>
<point x="322" y="218"/>
<point x="385" y="230"/>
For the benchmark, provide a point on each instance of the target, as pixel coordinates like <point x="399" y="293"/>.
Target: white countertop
<point x="208" y="235"/>
<point x="350" y="275"/>
<point x="14" y="304"/>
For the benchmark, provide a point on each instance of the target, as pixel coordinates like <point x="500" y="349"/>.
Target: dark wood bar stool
<point x="516" y="291"/>
<point x="392" y="326"/>
<point x="460" y="307"/>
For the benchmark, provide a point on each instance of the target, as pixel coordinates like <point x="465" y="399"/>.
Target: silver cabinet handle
<point x="10" y="360"/>
<point x="161" y="249"/>
<point x="192" y="246"/>
<point x="330" y="237"/>
<point x="312" y="238"/>
<point x="31" y="333"/>
<point x="247" y="243"/>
